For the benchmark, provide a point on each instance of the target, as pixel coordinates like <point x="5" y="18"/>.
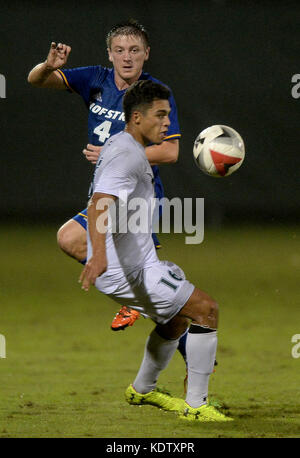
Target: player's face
<point x="154" y="123"/>
<point x="128" y="54"/>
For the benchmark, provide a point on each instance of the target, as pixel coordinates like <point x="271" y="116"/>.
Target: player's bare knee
<point x="208" y="313"/>
<point x="203" y="310"/>
<point x="64" y="239"/>
<point x="72" y="241"/>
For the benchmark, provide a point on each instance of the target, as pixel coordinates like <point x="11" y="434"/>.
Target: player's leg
<point x="159" y="350"/>
<point x="201" y="344"/>
<point x="71" y="237"/>
<point x="201" y="347"/>
<point x="157" y="355"/>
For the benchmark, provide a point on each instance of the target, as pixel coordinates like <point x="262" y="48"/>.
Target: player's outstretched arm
<point x="45" y="74"/>
<point x="165" y="153"/>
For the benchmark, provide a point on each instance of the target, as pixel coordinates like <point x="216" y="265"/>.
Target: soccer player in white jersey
<point x="124" y="265"/>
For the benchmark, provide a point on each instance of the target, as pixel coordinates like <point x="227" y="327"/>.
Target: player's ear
<point x="136" y="117"/>
<point x="109" y="55"/>
<point x="147" y="52"/>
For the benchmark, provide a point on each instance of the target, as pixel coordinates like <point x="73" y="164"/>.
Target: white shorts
<point x="159" y="290"/>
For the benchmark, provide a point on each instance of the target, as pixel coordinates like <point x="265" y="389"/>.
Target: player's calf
<point x="201" y="345"/>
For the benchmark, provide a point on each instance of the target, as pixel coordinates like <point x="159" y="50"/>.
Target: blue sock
<point x="181" y="345"/>
<point x="83" y="262"/>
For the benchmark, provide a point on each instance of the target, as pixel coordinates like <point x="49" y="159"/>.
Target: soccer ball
<point x="219" y="151"/>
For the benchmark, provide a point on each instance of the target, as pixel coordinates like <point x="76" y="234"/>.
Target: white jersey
<point x="135" y="276"/>
<point x="123" y="170"/>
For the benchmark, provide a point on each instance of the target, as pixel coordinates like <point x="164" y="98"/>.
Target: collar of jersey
<point x="142" y="77"/>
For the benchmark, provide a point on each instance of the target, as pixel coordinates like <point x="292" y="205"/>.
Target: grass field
<point x="65" y="371"/>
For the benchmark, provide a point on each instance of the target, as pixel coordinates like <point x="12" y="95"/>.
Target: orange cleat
<point x="125" y="317"/>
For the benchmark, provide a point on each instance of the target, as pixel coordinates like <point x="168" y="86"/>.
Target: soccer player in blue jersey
<point x="102" y="90"/>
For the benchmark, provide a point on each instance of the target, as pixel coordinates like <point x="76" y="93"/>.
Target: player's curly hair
<point x="141" y="95"/>
<point x="130" y="27"/>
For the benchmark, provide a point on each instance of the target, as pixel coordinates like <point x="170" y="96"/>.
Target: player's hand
<point x="92" y="152"/>
<point x="58" y="55"/>
<point x="92" y="270"/>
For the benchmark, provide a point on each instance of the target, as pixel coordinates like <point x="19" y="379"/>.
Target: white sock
<point x="201" y="347"/>
<point x="157" y="355"/>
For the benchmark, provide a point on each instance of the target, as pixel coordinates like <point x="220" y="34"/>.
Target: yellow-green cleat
<point x="204" y="413"/>
<point x="156" y="398"/>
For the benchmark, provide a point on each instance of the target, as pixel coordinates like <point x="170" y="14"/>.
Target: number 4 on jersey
<point x="103" y="131"/>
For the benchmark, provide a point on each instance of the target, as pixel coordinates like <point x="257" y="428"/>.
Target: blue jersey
<point x="97" y="87"/>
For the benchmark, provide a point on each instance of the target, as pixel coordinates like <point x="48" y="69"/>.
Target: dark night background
<point x="227" y="62"/>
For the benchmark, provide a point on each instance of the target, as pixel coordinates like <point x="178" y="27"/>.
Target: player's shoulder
<point x="123" y="144"/>
<point x="147" y="76"/>
<point x="114" y="146"/>
<point x="90" y="69"/>
<point x="86" y="72"/>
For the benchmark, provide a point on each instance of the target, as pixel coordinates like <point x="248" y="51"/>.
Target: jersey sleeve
<point x="82" y="79"/>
